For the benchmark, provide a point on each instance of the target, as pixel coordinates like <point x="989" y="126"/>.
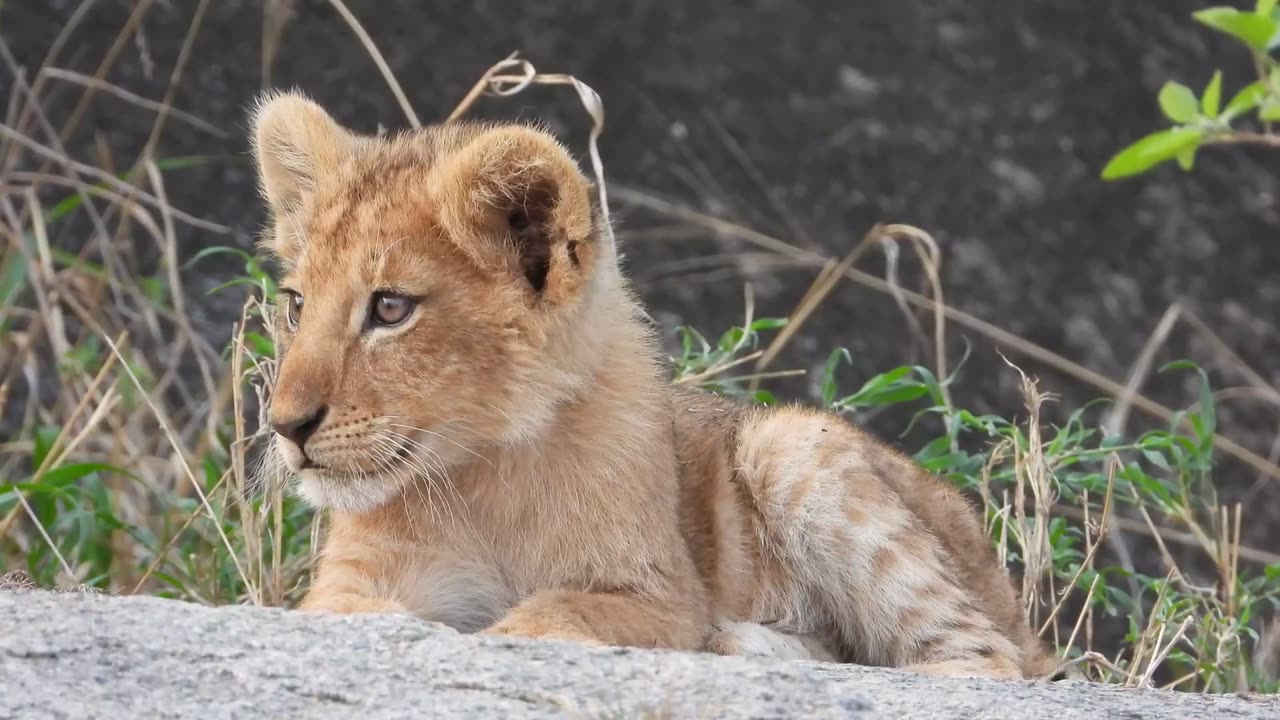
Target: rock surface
<point x="70" y="655"/>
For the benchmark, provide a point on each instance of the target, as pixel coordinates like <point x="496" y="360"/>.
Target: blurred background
<point x="746" y="144"/>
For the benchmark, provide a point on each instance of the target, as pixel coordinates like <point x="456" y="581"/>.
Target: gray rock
<point x="72" y="655"/>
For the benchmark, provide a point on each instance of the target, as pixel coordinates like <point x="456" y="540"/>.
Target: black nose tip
<point x="300" y="428"/>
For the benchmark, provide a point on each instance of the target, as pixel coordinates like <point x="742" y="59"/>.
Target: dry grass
<point x="128" y="467"/>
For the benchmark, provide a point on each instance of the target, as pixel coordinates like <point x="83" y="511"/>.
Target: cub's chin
<point x="351" y="494"/>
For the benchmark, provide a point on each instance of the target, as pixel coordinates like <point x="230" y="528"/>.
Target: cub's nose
<point x="300" y="427"/>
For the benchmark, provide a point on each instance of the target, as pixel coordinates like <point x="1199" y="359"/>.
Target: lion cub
<point x="468" y="384"/>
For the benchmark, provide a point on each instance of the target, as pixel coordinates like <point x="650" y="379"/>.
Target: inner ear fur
<point x="514" y="200"/>
<point x="294" y="142"/>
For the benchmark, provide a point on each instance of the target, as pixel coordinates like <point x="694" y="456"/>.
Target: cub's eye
<point x="390" y="309"/>
<point x="293" y="309"/>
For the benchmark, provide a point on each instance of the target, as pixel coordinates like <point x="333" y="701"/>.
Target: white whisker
<point x="389" y="449"/>
<point x="436" y="456"/>
<point x="456" y="444"/>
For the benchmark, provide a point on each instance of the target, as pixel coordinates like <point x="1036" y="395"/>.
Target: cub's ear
<point x="515" y="201"/>
<point x="294" y="141"/>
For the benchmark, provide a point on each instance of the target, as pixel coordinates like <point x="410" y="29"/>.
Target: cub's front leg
<point x="347" y="582"/>
<point x="350" y="603"/>
<point x="596" y="618"/>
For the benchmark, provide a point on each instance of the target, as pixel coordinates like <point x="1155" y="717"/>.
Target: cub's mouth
<point x="377" y="454"/>
<point x="356" y="473"/>
<point x="354" y="486"/>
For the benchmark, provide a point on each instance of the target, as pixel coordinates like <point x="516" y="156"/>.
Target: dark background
<point x="985" y="123"/>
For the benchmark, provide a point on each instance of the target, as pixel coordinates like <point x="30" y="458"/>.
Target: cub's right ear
<point x="294" y="142"/>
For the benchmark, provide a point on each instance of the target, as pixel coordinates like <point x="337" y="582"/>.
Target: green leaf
<point x="1246" y="99"/>
<point x="1154" y="489"/>
<point x="66" y="474"/>
<point x="234" y="282"/>
<point x="931" y="383"/>
<point x="260" y="344"/>
<point x="768" y="324"/>
<point x="42" y="441"/>
<point x="155" y="289"/>
<point x="731" y="338"/>
<point x="1256" y="31"/>
<point x="882" y="380"/>
<point x="943" y="462"/>
<point x="13" y="276"/>
<point x="886" y="389"/>
<point x="1150" y="151"/>
<point x="182" y="162"/>
<point x="1211" y="98"/>
<point x="1264" y="7"/>
<point x="1207" y="414"/>
<point x="764" y="397"/>
<point x="70" y="260"/>
<point x="1178" y="102"/>
<point x="1157" y="459"/>
<point x="934" y="448"/>
<point x="65" y="207"/>
<point x="216" y="250"/>
<point x="1177" y="365"/>
<point x="895" y="395"/>
<point x="829" y="387"/>
<point x="1270" y="112"/>
<point x="1187" y="159"/>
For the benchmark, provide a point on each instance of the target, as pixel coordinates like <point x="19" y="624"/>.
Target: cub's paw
<point x="347" y="604"/>
<point x="754" y="639"/>
<point x="539" y="626"/>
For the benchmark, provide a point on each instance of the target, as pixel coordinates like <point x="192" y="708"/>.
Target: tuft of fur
<point x="513" y="459"/>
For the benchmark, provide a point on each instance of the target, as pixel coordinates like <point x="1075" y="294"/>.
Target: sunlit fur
<point x="512" y="458"/>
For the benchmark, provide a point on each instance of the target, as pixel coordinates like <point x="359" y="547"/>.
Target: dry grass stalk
<point x="1092" y="543"/>
<point x="376" y="55"/>
<point x="1031" y="531"/>
<point x="194" y="121"/>
<point x="822" y="285"/>
<point x="999" y="336"/>
<point x="276" y="15"/>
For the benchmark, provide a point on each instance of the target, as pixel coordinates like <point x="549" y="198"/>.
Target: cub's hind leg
<point x="887" y="573"/>
<point x="976" y="667"/>
<point x="758" y="640"/>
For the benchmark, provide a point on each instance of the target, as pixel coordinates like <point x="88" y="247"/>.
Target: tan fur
<point x="512" y="458"/>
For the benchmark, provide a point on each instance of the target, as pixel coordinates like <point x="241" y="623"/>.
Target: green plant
<point x="1202" y="120"/>
<point x="96" y="524"/>
<point x="705" y="364"/>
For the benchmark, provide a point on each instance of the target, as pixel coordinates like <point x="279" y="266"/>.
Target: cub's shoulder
<point x="696" y="411"/>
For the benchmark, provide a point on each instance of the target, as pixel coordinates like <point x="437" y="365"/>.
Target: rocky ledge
<point x="73" y="655"/>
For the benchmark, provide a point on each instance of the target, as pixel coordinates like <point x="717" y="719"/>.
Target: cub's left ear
<point x="515" y="201"/>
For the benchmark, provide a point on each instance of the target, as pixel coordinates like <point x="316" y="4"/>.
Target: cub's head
<point x="432" y="296"/>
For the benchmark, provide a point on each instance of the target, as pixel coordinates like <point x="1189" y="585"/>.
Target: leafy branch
<point x="1203" y="120"/>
